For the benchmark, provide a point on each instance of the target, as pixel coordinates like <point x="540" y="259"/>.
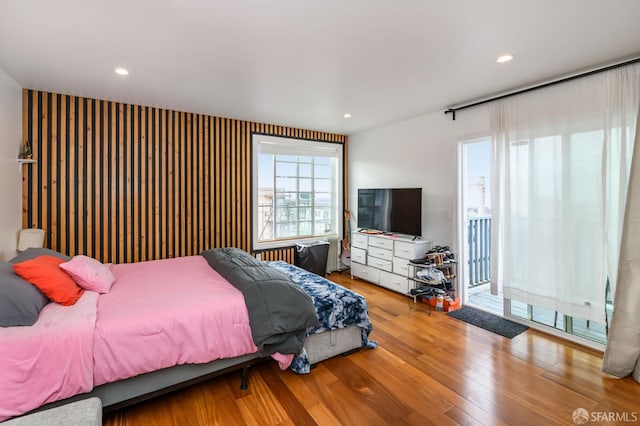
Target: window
<point x="297" y="190"/>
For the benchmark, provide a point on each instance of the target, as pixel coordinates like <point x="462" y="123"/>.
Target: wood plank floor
<point x="428" y="369"/>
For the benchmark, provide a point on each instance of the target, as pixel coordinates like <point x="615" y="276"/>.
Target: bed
<point x="165" y="324"/>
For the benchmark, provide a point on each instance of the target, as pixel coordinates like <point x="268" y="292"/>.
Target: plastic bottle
<point x="440" y="303"/>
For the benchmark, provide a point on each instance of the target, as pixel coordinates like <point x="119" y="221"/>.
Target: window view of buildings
<point x="296" y="197"/>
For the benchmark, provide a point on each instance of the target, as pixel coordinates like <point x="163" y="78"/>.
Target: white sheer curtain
<point x="561" y="161"/>
<point x="622" y="356"/>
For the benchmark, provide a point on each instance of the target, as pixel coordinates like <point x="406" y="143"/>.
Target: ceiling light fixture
<point x="504" y="58"/>
<point x="122" y="71"/>
<point x="347" y="115"/>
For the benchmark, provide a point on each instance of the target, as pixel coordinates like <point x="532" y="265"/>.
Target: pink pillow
<point x="89" y="274"/>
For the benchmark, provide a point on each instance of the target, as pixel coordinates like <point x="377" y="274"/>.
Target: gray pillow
<point x="20" y="301"/>
<point x="32" y="253"/>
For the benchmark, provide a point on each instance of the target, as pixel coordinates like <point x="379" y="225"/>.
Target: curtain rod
<point x="540" y="86"/>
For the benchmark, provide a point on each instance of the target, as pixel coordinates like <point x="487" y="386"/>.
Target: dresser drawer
<point x="358" y="240"/>
<point x="358" y="255"/>
<point x="384" y="243"/>
<point x="380" y="253"/>
<point x="394" y="282"/>
<point x="365" y="272"/>
<point x="406" y="250"/>
<point x="400" y="266"/>
<point x="385" y="265"/>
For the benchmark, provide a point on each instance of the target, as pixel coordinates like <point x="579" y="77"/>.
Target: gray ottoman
<point x="87" y="412"/>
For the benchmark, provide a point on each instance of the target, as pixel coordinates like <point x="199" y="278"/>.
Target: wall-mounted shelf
<point x="22" y="161"/>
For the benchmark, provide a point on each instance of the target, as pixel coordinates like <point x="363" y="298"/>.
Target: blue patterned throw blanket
<point x="337" y="307"/>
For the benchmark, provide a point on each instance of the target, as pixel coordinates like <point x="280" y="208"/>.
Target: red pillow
<point x="44" y="272"/>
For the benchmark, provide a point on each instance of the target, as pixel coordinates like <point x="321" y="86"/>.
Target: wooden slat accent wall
<point x="127" y="183"/>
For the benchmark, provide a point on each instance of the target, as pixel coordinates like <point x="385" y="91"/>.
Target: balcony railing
<point x="479" y="250"/>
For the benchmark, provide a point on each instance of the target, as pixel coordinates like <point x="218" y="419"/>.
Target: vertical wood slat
<point x="136" y="185"/>
<point x="128" y="182"/>
<point x="205" y="179"/>
<point x="44" y="175"/>
<point x="24" y="171"/>
<point x="73" y="152"/>
<point x="224" y="202"/>
<point x="143" y="184"/>
<point x="188" y="190"/>
<point x="182" y="224"/>
<point x="170" y="186"/>
<point x="105" y="220"/>
<point x="86" y="205"/>
<point x="125" y="183"/>
<point x="62" y="172"/>
<point x="165" y="189"/>
<point x="52" y="146"/>
<point x="218" y="187"/>
<point x="193" y="190"/>
<point x="113" y="234"/>
<point x="231" y="225"/>
<point x="246" y="214"/>
<point x="157" y="188"/>
<point x="176" y="175"/>
<point x="201" y="187"/>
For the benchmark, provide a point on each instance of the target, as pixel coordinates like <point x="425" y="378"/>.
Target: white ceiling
<point x="304" y="63"/>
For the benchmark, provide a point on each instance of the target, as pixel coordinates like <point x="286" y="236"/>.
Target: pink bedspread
<point x="158" y="314"/>
<point x="50" y="360"/>
<point x="162" y="313"/>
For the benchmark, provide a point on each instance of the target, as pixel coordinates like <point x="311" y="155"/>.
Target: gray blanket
<point x="279" y="311"/>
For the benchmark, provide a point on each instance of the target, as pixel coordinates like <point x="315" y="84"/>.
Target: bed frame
<point x="116" y="395"/>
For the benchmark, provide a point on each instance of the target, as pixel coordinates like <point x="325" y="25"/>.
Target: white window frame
<point x="302" y="147"/>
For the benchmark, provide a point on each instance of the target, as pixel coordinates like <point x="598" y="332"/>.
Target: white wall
<point x="10" y="178"/>
<point x="420" y="152"/>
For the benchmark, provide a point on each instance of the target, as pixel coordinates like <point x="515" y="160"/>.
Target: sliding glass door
<point x="474" y="218"/>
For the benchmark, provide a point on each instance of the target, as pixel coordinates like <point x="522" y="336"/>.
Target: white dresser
<point x="382" y="259"/>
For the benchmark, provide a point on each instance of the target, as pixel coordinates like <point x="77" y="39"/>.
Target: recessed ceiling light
<point x="122" y="71"/>
<point x="347" y="115"/>
<point x="504" y="58"/>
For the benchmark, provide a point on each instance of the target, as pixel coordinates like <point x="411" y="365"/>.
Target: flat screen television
<point x="393" y="210"/>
